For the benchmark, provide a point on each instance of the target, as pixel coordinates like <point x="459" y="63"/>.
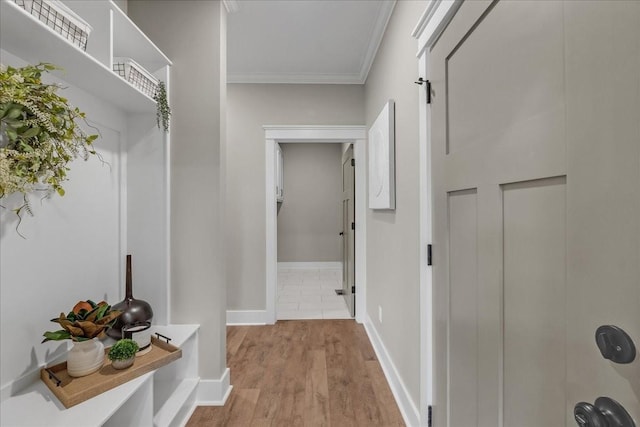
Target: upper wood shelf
<point x="24" y="36"/>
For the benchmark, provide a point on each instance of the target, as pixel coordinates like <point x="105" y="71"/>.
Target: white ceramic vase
<point x="85" y="357"/>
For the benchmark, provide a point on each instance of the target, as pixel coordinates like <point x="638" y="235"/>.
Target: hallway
<point x="308" y="372"/>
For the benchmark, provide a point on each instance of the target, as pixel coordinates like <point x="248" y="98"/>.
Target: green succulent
<point x="123" y="350"/>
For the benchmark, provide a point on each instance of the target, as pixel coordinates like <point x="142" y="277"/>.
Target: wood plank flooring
<point x="302" y="373"/>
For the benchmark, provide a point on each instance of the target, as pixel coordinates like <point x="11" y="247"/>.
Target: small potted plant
<point x="123" y="353"/>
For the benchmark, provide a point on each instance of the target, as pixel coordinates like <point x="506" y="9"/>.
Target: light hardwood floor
<point x="303" y="373"/>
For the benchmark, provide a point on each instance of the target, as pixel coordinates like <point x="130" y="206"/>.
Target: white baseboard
<point x="309" y="265"/>
<point x="246" y="317"/>
<point x="407" y="407"/>
<point x="214" y="392"/>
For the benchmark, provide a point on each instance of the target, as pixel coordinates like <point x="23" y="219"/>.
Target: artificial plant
<point x="163" y="111"/>
<point x="39" y="133"/>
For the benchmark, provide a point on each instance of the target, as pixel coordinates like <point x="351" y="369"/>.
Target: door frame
<point x="355" y="135"/>
<point x="427" y="30"/>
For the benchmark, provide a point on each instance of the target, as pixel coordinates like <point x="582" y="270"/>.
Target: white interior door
<point x="536" y="221"/>
<point x="348" y="230"/>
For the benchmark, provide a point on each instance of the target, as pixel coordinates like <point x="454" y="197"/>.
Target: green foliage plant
<point x="163" y="111"/>
<point x="123" y="349"/>
<point x="86" y="321"/>
<point x="39" y="133"/>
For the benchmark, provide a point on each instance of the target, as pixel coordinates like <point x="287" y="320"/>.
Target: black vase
<point x="134" y="311"/>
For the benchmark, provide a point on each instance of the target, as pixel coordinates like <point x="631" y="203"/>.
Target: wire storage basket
<point x="55" y="15"/>
<point x="132" y="72"/>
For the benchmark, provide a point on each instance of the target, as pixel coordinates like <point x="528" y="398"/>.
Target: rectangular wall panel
<point x="463" y="308"/>
<point x="509" y="67"/>
<point x="534" y="214"/>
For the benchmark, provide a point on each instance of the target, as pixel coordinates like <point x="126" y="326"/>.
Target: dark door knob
<point x="342" y="233"/>
<point x="615" y="344"/>
<point x="605" y="412"/>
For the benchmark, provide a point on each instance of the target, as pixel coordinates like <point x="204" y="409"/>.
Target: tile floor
<point x="310" y="294"/>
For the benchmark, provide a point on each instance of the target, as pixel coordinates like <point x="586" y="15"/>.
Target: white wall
<point x="250" y="106"/>
<point x="310" y="218"/>
<point x="393" y="236"/>
<point x="193" y="35"/>
<point x="73" y="248"/>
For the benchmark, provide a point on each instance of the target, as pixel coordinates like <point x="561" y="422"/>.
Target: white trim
<point x="309" y="265"/>
<point x="433" y="21"/>
<point x="407" y="408"/>
<point x="329" y="134"/>
<point x="232" y="6"/>
<point x="375" y="39"/>
<point x="246" y="317"/>
<point x="426" y="291"/>
<point x="214" y="392"/>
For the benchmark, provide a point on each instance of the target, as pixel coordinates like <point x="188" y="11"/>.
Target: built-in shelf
<point x="165" y="396"/>
<point x="24" y="35"/>
<point x="179" y="405"/>
<point x="129" y="41"/>
<point x="36" y="405"/>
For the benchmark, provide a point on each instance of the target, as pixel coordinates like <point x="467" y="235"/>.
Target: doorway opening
<point x="350" y="135"/>
<point x="311" y="231"/>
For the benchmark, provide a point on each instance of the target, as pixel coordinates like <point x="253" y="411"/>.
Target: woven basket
<point x="132" y="72"/>
<point x="55" y="15"/>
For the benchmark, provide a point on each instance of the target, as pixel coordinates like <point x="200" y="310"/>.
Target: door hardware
<point x="428" y="88"/>
<point x="615" y="344"/>
<point x="429" y="255"/>
<point x="606" y="412"/>
<point x="353" y="225"/>
<point x="342" y="233"/>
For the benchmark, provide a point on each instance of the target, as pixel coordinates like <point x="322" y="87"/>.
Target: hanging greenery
<point x="39" y="134"/>
<point x="163" y="112"/>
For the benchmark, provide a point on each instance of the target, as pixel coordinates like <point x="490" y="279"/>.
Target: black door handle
<point x="605" y="412"/>
<point x="341" y="233"/>
<point x="615" y="344"/>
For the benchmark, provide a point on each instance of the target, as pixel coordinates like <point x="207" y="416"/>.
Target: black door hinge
<point x="427" y="87"/>
<point x="353" y="289"/>
<point x="430" y="416"/>
<point x="353" y="162"/>
<point x="353" y="225"/>
<point x="429" y="256"/>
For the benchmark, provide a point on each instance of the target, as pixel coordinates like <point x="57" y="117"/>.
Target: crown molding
<point x="375" y="39"/>
<point x="286" y="78"/>
<point x="433" y="21"/>
<point x="232" y="6"/>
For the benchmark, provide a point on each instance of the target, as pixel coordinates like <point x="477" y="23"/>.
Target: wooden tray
<point x="72" y="391"/>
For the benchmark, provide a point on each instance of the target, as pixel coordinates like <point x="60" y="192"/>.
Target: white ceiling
<point x="304" y="41"/>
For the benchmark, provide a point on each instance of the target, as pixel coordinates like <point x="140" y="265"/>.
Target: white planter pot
<point x="123" y="364"/>
<point x="85" y="357"/>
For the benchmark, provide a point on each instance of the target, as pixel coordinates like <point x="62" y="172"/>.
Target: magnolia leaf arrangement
<point x="39" y="133"/>
<point x="85" y="321"/>
<point x="163" y="111"/>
